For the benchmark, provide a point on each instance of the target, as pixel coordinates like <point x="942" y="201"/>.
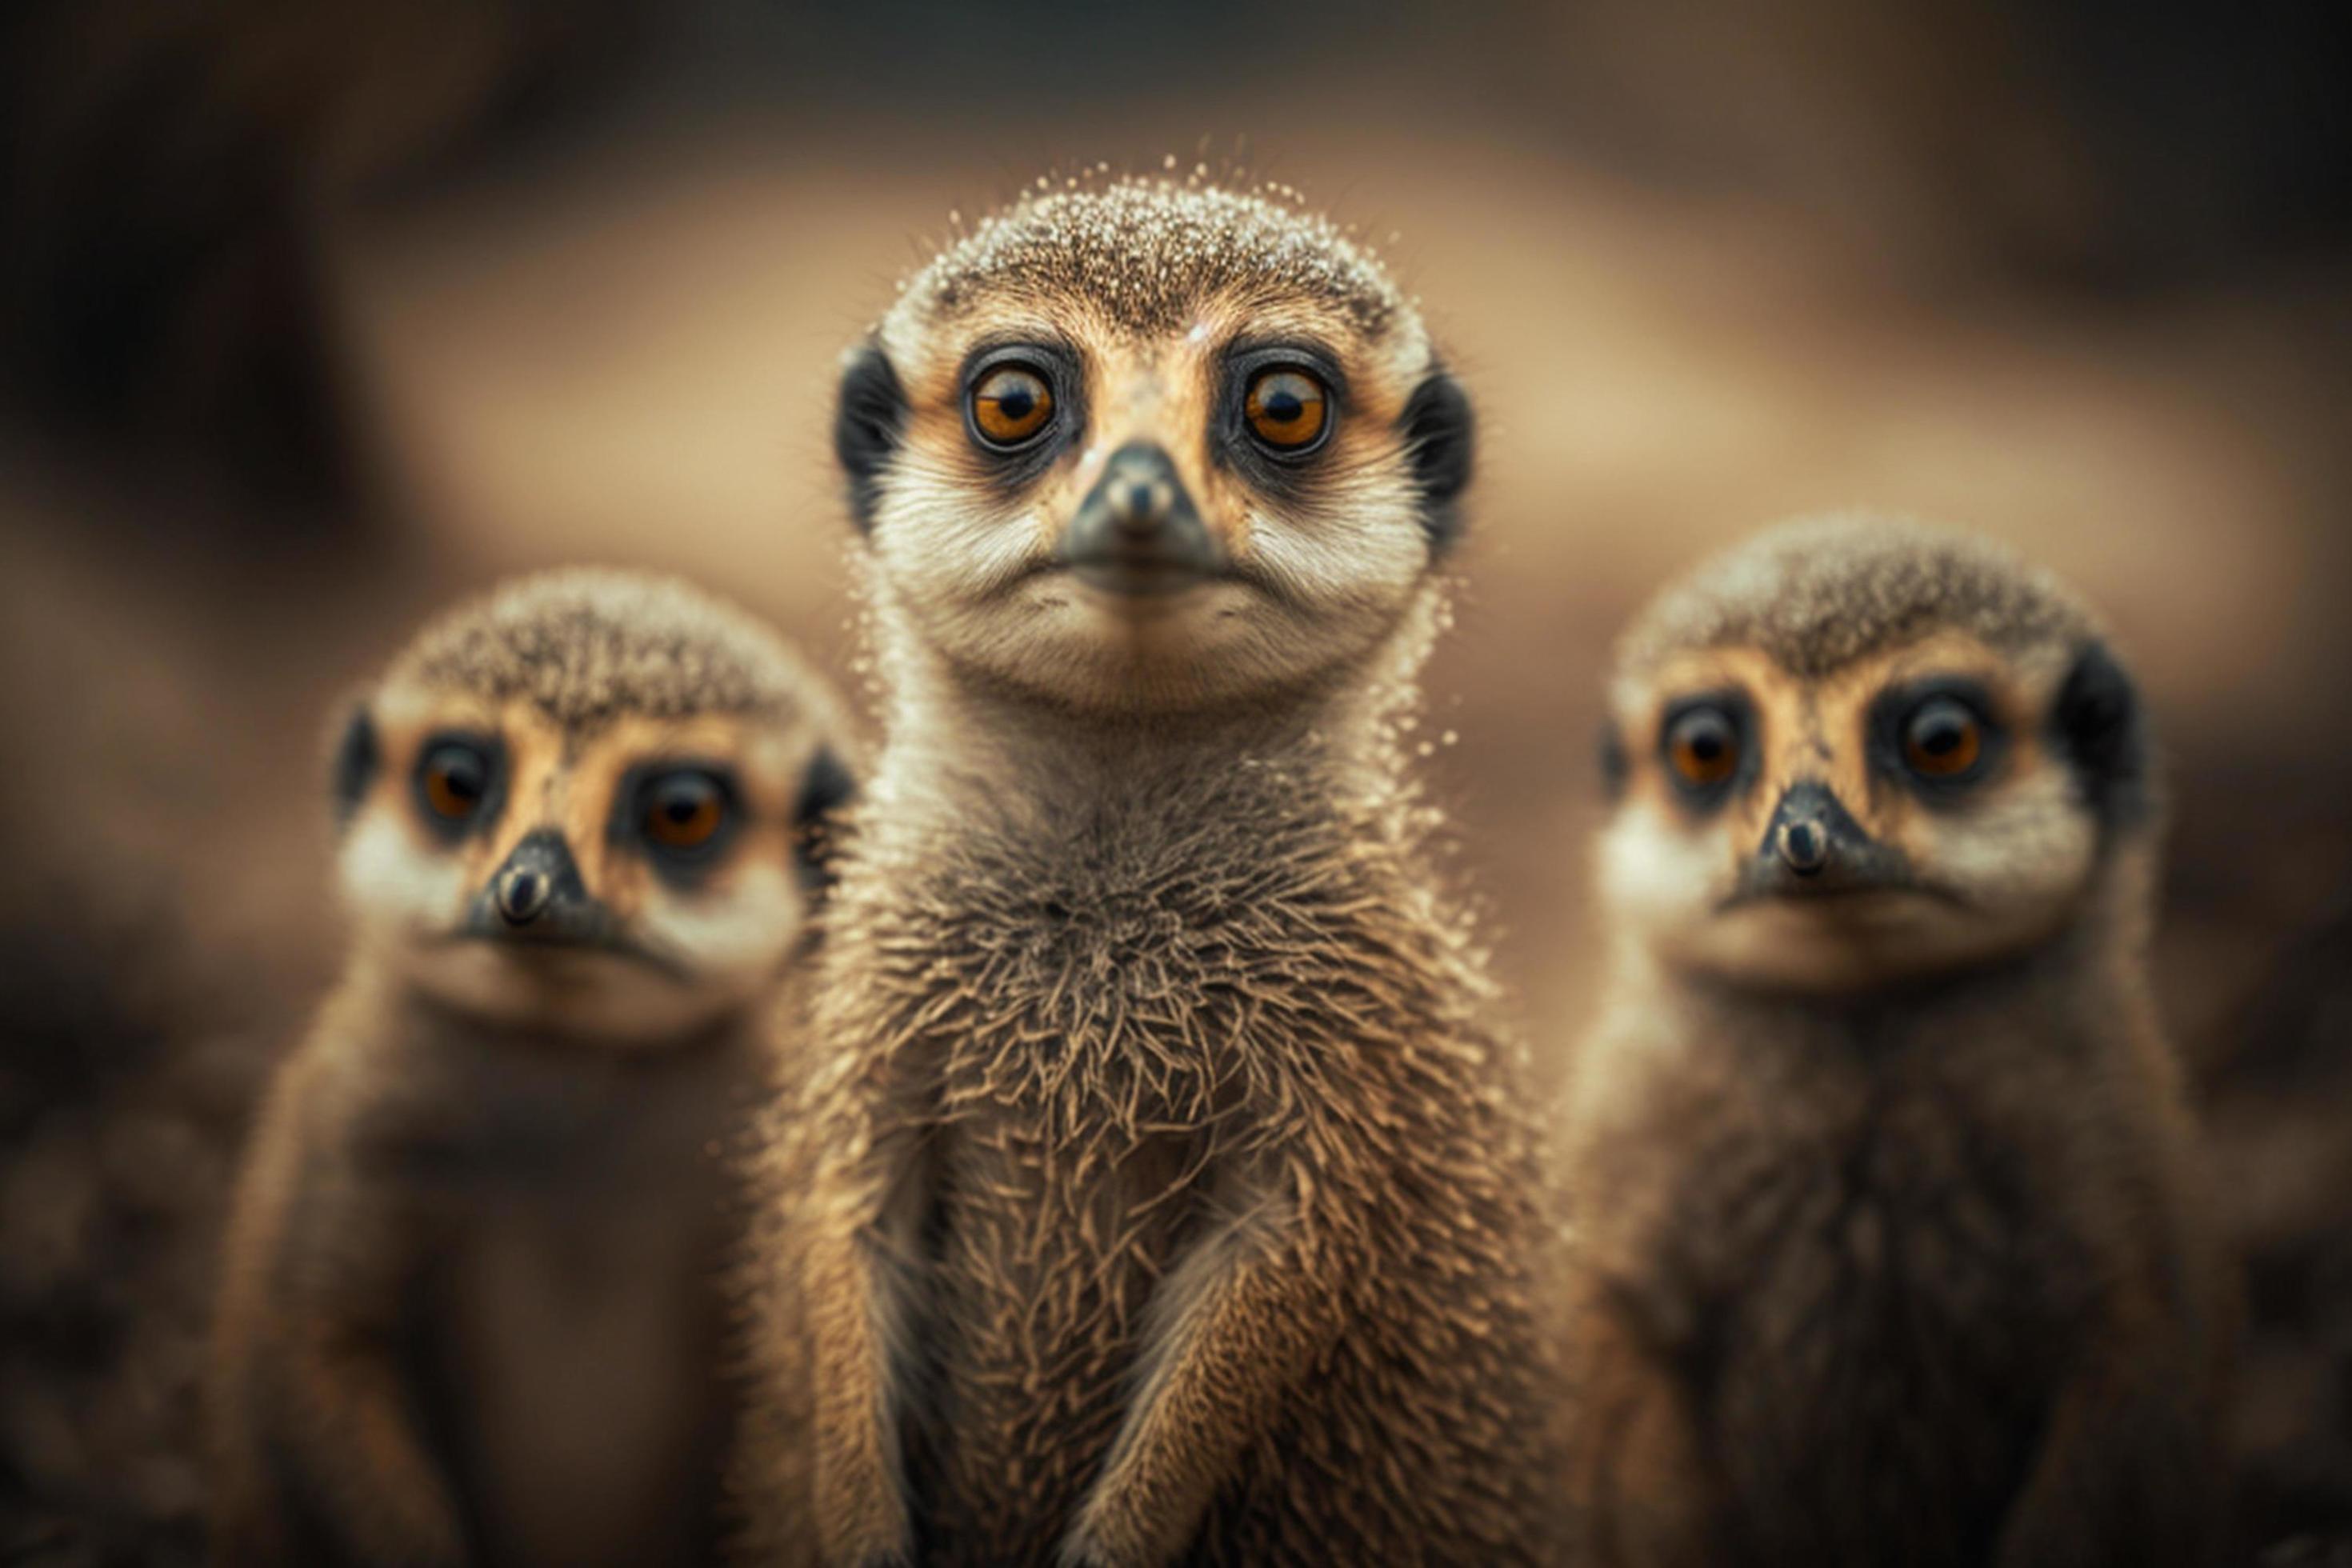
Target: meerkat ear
<point x="357" y="758"/>
<point x="868" y="412"/>
<point x="2100" y="729"/>
<point x="1440" y="434"/>
<point x="1609" y="751"/>
<point x="825" y="787"/>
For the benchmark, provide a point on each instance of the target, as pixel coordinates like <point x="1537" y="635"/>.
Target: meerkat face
<point x="1914" y="811"/>
<point x="1149" y="446"/>
<point x="632" y="883"/>
<point x="590" y="807"/>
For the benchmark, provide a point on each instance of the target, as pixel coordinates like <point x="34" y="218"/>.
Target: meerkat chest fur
<point x="1876" y="1240"/>
<point x="566" y="1328"/>
<point x="1124" y="1019"/>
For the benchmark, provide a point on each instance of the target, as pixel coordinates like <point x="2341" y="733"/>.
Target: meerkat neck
<point x="414" y="1019"/>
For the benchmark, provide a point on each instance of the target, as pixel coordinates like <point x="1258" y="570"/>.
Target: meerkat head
<point x="589" y="803"/>
<point x="1149" y="445"/>
<point x="1849" y="753"/>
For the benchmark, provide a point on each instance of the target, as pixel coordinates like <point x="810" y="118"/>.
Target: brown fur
<point x="1160" y="1193"/>
<point x="587" y="645"/>
<point x="1904" y="1270"/>
<point x="1817" y="594"/>
<point x="468" y="1310"/>
<point x="1144" y="252"/>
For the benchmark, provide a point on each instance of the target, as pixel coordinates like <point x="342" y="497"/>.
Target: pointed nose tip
<point x="1139" y="508"/>
<point x="522" y="893"/>
<point x="1140" y="492"/>
<point x="1804" y="847"/>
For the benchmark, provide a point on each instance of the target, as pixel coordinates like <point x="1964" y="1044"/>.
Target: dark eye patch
<point x="460" y="782"/>
<point x="1021" y="460"/>
<point x="680" y="813"/>
<point x="1708" y="748"/>
<point x="1234" y="441"/>
<point x="1936" y="737"/>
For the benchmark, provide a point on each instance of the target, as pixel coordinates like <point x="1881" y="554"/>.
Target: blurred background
<point x="311" y="317"/>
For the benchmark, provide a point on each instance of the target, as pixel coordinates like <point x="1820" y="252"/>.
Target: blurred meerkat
<point x="1892" y="1246"/>
<point x="1160" y="1193"/>
<point x="472" y="1307"/>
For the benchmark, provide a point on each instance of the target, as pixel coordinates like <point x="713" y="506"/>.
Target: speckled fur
<point x="586" y="645"/>
<point x="1159" y="1190"/>
<point x="1145" y="251"/>
<point x="1819" y="593"/>
<point x="1914" y="1272"/>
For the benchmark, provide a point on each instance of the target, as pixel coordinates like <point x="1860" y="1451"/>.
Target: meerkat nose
<point x="1139" y="490"/>
<point x="522" y="893"/>
<point x="1805" y="846"/>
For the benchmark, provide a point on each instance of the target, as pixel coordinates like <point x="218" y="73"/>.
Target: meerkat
<point x="1159" y="1190"/>
<point x="472" y="1307"/>
<point x="1891" y="1240"/>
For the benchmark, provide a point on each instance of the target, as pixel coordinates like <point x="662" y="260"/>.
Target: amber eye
<point x="454" y="780"/>
<point x="1010" y="404"/>
<point x="1703" y="747"/>
<point x="1942" y="739"/>
<point x="683" y="812"/>
<point x="1287" y="409"/>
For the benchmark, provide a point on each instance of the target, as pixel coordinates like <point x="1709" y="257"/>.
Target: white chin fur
<point x="1848" y="943"/>
<point x="603" y="996"/>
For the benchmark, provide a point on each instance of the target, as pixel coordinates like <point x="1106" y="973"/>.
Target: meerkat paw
<point x="1113" y="1531"/>
<point x="863" y="1522"/>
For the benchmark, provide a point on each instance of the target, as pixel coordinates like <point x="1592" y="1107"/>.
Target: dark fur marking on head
<point x="1440" y="430"/>
<point x="2098" y="724"/>
<point x="868" y="414"/>
<point x="1609" y="751"/>
<point x="825" y="787"/>
<point x="358" y="759"/>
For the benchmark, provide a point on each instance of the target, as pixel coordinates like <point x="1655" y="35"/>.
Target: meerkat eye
<point x="454" y="780"/>
<point x="1011" y="404"/>
<point x="682" y="812"/>
<point x="1703" y="747"/>
<point x="1286" y="409"/>
<point x="1942" y="739"/>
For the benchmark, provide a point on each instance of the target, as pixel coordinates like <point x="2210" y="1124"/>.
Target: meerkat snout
<point x="1803" y="847"/>
<point x="1138" y="531"/>
<point x="1814" y="836"/>
<point x="541" y="878"/>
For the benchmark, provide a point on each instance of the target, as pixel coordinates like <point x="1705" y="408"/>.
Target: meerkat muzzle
<point x="538" y="893"/>
<point x="1138" y="531"/>
<point x="1813" y="846"/>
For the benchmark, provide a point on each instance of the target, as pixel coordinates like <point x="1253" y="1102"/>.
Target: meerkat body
<point x="471" y="1308"/>
<point x="1159" y="1194"/>
<point x="1891" y="1243"/>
